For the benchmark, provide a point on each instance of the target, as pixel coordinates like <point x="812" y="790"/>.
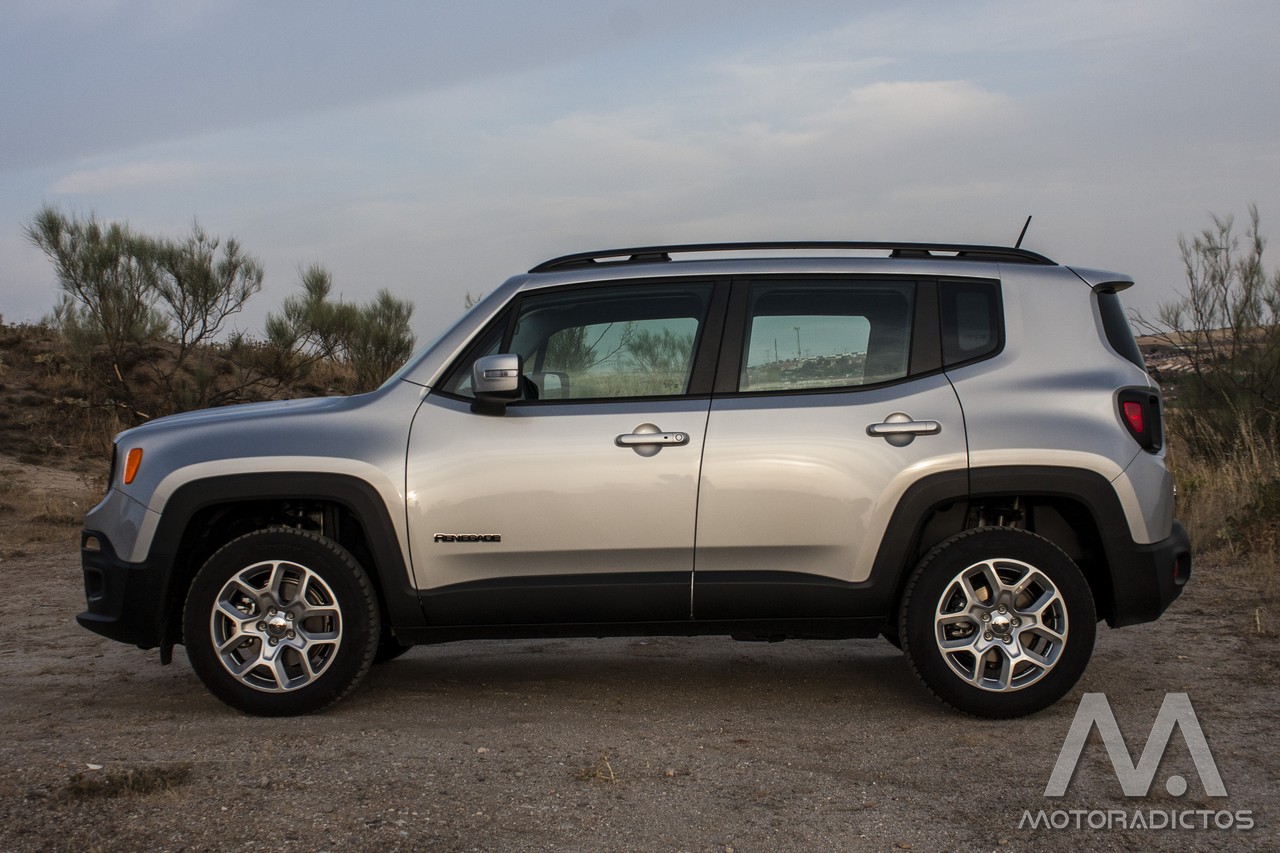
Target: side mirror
<point x="496" y="381"/>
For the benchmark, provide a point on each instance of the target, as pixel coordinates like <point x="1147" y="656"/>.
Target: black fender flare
<point x="1091" y="490"/>
<point x="358" y="496"/>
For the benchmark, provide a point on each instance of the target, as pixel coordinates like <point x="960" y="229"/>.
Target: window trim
<point x="924" y="358"/>
<point x="718" y="350"/>
<point x="706" y="353"/>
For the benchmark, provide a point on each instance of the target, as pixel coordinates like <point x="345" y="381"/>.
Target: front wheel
<point x="998" y="622"/>
<point x="281" y="622"/>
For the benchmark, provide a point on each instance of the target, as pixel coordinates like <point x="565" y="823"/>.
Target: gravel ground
<point x="645" y="745"/>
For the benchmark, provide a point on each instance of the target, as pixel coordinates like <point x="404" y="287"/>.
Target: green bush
<point x="373" y="339"/>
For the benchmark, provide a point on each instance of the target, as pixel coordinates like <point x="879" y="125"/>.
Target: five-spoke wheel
<point x="281" y="621"/>
<point x="998" y="622"/>
<point x="276" y="626"/>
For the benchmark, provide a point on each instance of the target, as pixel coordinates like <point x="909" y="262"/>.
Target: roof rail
<point x="660" y="254"/>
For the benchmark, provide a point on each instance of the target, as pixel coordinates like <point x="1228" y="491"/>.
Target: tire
<point x="998" y="622"/>
<point x="305" y="615"/>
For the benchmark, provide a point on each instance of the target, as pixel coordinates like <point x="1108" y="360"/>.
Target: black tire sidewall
<point x="934" y="575"/>
<point x="345" y="577"/>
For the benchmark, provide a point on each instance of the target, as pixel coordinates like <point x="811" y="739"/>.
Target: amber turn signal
<point x="131" y="463"/>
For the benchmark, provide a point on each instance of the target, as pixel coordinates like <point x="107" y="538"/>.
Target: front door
<point x="578" y="503"/>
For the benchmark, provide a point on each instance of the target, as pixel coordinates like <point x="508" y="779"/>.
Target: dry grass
<point x="130" y="780"/>
<point x="40" y="506"/>
<point x="1230" y="504"/>
<point x="56" y="407"/>
<point x="602" y="772"/>
<point x="62" y="509"/>
<point x="12" y="495"/>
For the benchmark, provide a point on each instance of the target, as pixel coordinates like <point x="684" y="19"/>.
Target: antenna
<point x="1025" y="226"/>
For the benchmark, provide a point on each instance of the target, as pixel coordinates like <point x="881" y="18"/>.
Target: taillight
<point x="1140" y="411"/>
<point x="1133" y="416"/>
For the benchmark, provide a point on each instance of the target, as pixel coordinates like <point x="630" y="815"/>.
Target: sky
<point x="434" y="149"/>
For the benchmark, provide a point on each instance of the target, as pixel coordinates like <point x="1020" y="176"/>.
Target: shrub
<point x="1226" y="325"/>
<point x="373" y="339"/>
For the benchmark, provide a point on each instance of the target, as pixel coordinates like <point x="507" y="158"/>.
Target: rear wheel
<point x="281" y="622"/>
<point x="998" y="622"/>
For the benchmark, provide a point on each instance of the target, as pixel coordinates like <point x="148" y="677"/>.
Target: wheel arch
<point x="202" y="515"/>
<point x="1075" y="509"/>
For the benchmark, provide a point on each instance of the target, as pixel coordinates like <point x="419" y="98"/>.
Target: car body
<point x="767" y="441"/>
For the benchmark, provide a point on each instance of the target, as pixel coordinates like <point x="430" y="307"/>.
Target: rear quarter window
<point x="969" y="312"/>
<point x="1116" y="328"/>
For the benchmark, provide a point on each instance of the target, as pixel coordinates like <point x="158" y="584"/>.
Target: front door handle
<point x="647" y="439"/>
<point x="900" y="430"/>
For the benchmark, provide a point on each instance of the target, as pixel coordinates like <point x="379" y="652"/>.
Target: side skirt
<point x="771" y="630"/>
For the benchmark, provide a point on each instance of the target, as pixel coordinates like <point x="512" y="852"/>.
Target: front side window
<point x="602" y="342"/>
<point x="823" y="335"/>
<point x="458" y="381"/>
<point x="611" y="342"/>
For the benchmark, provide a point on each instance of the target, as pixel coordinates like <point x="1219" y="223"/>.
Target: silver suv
<point x="957" y="447"/>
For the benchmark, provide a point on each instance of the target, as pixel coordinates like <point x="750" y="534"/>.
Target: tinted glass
<point x="1119" y="333"/>
<point x="611" y="342"/>
<point x="459" y="379"/>
<point x="816" y="335"/>
<point x="970" y="315"/>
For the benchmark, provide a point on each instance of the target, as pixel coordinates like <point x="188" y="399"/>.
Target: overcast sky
<point x="437" y="148"/>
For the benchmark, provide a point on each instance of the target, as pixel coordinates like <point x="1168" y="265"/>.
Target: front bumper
<point x="1145" y="579"/>
<point x="126" y="601"/>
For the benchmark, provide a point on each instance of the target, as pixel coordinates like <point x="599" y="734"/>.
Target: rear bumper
<point x="1145" y="579"/>
<point x="125" y="600"/>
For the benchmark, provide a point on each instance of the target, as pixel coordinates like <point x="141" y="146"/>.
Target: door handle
<point x="640" y="439"/>
<point x="647" y="439"/>
<point x="900" y="430"/>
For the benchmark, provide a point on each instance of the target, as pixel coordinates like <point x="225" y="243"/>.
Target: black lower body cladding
<point x="1147" y="578"/>
<point x="126" y="601"/>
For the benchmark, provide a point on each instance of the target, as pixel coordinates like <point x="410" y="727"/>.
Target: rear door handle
<point x="900" y="430"/>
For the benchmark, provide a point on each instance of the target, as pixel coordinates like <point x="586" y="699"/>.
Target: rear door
<point x="833" y="403"/>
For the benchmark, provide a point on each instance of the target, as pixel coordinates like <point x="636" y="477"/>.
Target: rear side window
<point x="819" y="335"/>
<point x="1116" y="327"/>
<point x="970" y="316"/>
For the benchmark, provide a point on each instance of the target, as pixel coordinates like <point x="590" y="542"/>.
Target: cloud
<point x="135" y="176"/>
<point x="909" y="106"/>
<point x="436" y="149"/>
<point x="837" y="139"/>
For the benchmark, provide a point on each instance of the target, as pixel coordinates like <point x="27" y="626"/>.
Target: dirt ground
<point x="594" y="745"/>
